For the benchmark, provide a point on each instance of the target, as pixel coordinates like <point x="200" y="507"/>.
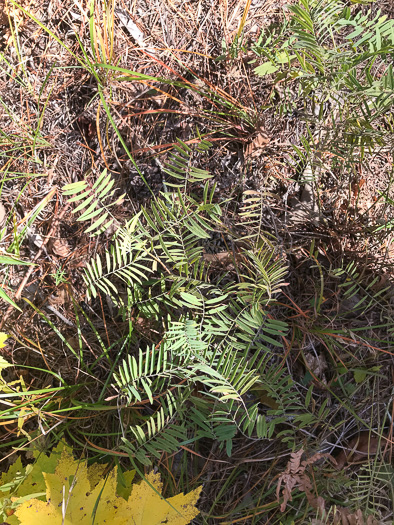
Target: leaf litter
<point x="75" y="159"/>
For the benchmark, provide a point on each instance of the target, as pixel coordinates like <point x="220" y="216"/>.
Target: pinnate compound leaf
<point x="296" y="476"/>
<point x="76" y="493"/>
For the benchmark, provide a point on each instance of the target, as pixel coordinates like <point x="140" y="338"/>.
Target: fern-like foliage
<point x="95" y="201"/>
<point x="359" y="290"/>
<point x="376" y="478"/>
<point x="181" y="168"/>
<point x="217" y="340"/>
<point x="164" y="431"/>
<point x="341" y="59"/>
<point x="187" y="362"/>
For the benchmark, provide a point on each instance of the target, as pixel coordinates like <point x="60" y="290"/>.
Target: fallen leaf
<point x="87" y="128"/>
<point x="295" y="476"/>
<point x="61" y="298"/>
<point x="258" y="144"/>
<point x="3" y="338"/>
<point x="344" y="516"/>
<point x="148" y="508"/>
<point x="3" y="14"/>
<point x="316" y="364"/>
<point x="3" y="214"/>
<point x="359" y="375"/>
<point x="132" y="28"/>
<point x="69" y="494"/>
<point x="223" y="259"/>
<point x="78" y="493"/>
<point x="359" y="449"/>
<point x="60" y="247"/>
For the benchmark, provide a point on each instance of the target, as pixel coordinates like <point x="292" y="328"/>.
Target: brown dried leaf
<point x="59" y="247"/>
<point x="3" y="214"/>
<point x="316" y="364"/>
<point x="295" y="477"/>
<point x="3" y="14"/>
<point x="295" y="462"/>
<point x="289" y="478"/>
<point x="60" y="299"/>
<point x="316" y="457"/>
<point x="6" y="8"/>
<point x="345" y="517"/>
<point x="317" y="502"/>
<point x="87" y="127"/>
<point x="356" y="518"/>
<point x="223" y="259"/>
<point x="359" y="449"/>
<point x="258" y="144"/>
<point x="290" y="482"/>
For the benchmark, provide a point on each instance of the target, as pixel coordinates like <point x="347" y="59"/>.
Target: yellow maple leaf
<point x="74" y="495"/>
<point x="147" y="508"/>
<point x="70" y="499"/>
<point x="3" y="338"/>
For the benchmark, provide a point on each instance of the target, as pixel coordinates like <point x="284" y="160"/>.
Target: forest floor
<point x="199" y="59"/>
